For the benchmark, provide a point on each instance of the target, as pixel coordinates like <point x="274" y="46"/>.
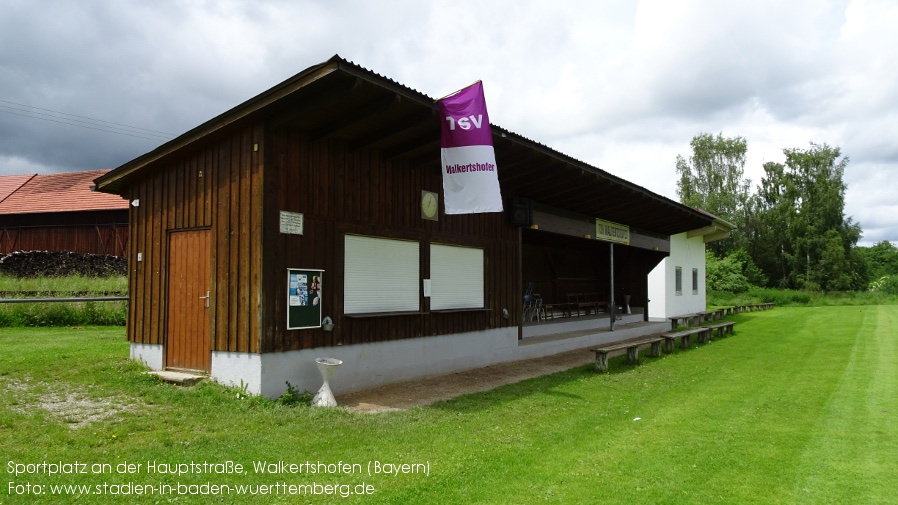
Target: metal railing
<point x="51" y="300"/>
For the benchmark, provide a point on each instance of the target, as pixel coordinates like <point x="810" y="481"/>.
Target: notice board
<point x="304" y="298"/>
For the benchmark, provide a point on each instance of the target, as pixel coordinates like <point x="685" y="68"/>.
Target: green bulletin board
<point x="304" y="298"/>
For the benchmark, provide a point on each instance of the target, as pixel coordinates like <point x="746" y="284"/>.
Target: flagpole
<point x="459" y="90"/>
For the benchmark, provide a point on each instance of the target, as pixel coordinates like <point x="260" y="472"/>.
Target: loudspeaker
<point x="520" y="212"/>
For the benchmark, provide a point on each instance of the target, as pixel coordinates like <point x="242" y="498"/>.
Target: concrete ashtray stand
<point x="327" y="367"/>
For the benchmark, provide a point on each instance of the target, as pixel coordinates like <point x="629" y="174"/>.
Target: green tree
<point x="724" y="274"/>
<point x="800" y="236"/>
<point x="712" y="179"/>
<point x="750" y="270"/>
<point x="881" y="259"/>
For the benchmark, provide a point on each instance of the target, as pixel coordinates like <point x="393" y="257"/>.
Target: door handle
<point x="206" y="298"/>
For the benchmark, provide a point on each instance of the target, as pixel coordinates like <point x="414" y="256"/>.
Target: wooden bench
<point x="687" y="320"/>
<point x="684" y="337"/>
<point x="564" y="308"/>
<point x="721" y="328"/>
<point x="632" y="347"/>
<point x="752" y="307"/>
<point x="586" y="301"/>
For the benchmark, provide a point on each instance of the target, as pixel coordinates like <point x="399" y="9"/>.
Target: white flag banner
<point x="470" y="179"/>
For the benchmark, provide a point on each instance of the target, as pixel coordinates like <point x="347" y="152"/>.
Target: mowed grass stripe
<point x="742" y="413"/>
<point x="856" y="440"/>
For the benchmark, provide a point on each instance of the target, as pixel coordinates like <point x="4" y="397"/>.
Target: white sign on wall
<point x="291" y="223"/>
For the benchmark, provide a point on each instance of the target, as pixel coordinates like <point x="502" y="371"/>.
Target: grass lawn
<point x="799" y="406"/>
<point x="62" y="313"/>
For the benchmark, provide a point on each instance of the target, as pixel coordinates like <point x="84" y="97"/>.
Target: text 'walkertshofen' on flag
<point x="470" y="180"/>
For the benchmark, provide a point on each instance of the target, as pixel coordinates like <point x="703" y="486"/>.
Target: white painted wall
<point x="148" y="354"/>
<point x="378" y="363"/>
<point x="687" y="253"/>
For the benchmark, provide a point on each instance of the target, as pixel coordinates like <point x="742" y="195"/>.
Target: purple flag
<point x="470" y="180"/>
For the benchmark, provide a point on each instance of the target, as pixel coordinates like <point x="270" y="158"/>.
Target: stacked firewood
<point x="26" y="264"/>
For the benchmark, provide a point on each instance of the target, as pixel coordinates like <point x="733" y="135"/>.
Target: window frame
<point x="678" y="280"/>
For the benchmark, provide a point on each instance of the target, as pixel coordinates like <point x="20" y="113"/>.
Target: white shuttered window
<point x="381" y="275"/>
<point x="456" y="277"/>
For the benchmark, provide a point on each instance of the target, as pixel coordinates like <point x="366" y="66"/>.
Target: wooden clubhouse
<point x="299" y="224"/>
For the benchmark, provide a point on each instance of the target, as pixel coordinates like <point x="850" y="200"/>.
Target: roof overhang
<point x="719" y="229"/>
<point x="338" y="99"/>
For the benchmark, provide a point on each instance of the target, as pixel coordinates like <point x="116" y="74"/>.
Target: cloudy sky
<point x="622" y="85"/>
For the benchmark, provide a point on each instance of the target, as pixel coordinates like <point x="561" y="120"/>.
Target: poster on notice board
<point x="304" y="298"/>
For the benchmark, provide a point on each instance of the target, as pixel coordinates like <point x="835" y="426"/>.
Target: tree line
<point x="792" y="231"/>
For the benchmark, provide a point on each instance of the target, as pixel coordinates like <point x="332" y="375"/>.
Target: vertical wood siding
<point x="220" y="186"/>
<point x="342" y="192"/>
<point x="216" y="186"/>
<point x="94" y="232"/>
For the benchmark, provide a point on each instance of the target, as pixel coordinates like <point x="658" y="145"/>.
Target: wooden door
<point x="187" y="343"/>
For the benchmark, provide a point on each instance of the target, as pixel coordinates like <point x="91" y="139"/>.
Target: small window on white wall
<point x="380" y="275"/>
<point x="679" y="280"/>
<point x="695" y="281"/>
<point x="456" y="277"/>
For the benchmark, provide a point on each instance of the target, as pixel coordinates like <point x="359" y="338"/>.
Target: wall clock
<point x="430" y="205"/>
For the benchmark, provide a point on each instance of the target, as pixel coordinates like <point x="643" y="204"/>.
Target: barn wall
<point x="358" y="192"/>
<point x="218" y="187"/>
<point x="93" y="232"/>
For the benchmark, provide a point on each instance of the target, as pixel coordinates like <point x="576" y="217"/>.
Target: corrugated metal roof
<point x="59" y="192"/>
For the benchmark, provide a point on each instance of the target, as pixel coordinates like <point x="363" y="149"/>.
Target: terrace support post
<point x="611" y="298"/>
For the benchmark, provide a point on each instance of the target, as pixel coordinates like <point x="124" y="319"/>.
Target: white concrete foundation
<point x="375" y="364"/>
<point x="148" y="354"/>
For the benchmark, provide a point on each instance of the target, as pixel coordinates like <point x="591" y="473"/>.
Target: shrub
<point x="724" y="274"/>
<point x="293" y="397"/>
<point x="887" y="285"/>
<point x="791" y="297"/>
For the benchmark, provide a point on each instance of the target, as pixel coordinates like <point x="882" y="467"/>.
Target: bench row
<point x="697" y="318"/>
<point x="751" y="307"/>
<point x="654" y="341"/>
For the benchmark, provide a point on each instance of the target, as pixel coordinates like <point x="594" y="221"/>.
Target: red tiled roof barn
<point x="59" y="212"/>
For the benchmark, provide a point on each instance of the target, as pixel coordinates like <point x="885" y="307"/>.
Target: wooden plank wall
<point x="216" y="186"/>
<point x="83" y="232"/>
<point x="342" y="192"/>
<point x="220" y="186"/>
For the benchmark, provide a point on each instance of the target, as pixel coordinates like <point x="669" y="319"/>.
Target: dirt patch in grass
<point x="428" y="390"/>
<point x="75" y="409"/>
